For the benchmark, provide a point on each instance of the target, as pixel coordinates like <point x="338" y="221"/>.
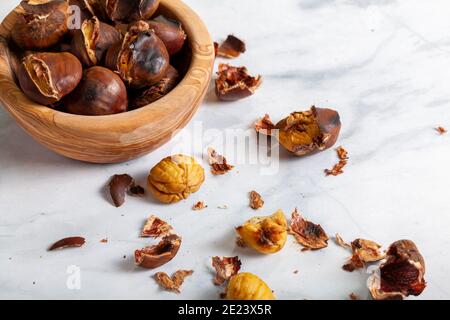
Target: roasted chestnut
<point x="141" y="58"/>
<point x="91" y="42"/>
<point x="130" y="10"/>
<point x="170" y="32"/>
<point x="86" y="12"/>
<point x="158" y="90"/>
<point x="101" y="92"/>
<point x="309" y="132"/>
<point x="47" y="77"/>
<point x="40" y="25"/>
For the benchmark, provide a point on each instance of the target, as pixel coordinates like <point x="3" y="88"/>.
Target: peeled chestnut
<point x="130" y="10"/>
<point x="91" y="42"/>
<point x="171" y="33"/>
<point x="141" y="58"/>
<point x="158" y="90"/>
<point x="40" y="25"/>
<point x="101" y="92"/>
<point x="47" y="77"/>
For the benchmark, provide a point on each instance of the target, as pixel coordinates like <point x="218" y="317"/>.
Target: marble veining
<point x="378" y="63"/>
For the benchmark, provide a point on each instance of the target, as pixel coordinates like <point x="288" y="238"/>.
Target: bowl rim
<point x="202" y="49"/>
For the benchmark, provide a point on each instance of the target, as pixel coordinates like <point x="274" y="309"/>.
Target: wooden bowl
<point x="120" y="137"/>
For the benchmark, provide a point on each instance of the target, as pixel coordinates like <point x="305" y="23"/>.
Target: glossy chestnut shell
<point x="141" y="59"/>
<point x="91" y="42"/>
<point x="40" y="26"/>
<point x="171" y="33"/>
<point x="130" y="10"/>
<point x="48" y="77"/>
<point x="101" y="92"/>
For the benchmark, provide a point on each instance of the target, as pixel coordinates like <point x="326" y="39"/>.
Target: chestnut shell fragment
<point x="70" y="242"/>
<point x="141" y="58"/>
<point x="40" y="25"/>
<point x="232" y="47"/>
<point x="157" y="255"/>
<point x="101" y="92"/>
<point x="48" y="77"/>
<point x="234" y="83"/>
<point x="118" y="188"/>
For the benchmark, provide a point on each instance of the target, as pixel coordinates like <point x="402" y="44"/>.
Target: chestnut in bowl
<point x="130" y="10"/>
<point x="101" y="92"/>
<point x="123" y="136"/>
<point x="40" y="25"/>
<point x="170" y="33"/>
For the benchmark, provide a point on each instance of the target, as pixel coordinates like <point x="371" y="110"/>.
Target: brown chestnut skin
<point x="141" y="59"/>
<point x="157" y="255"/>
<point x="158" y="90"/>
<point x="130" y="10"/>
<point x="48" y="77"/>
<point x="91" y="42"/>
<point x="101" y="92"/>
<point x="41" y="26"/>
<point x="170" y="33"/>
<point x="309" y="132"/>
<point x="86" y="12"/>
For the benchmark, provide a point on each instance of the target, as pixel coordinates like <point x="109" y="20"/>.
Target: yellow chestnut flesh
<point x="247" y="286"/>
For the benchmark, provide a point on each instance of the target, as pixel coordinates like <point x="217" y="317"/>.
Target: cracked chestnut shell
<point x="247" y="286"/>
<point x="91" y="42"/>
<point x="40" y="25"/>
<point x="309" y="132"/>
<point x="86" y="12"/>
<point x="46" y="78"/>
<point x="157" y="255"/>
<point x="141" y="58"/>
<point x="101" y="92"/>
<point x="174" y="178"/>
<point x="130" y="10"/>
<point x="171" y="34"/>
<point x="265" y="234"/>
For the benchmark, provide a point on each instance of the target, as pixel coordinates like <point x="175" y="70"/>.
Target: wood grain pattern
<point x="120" y="137"/>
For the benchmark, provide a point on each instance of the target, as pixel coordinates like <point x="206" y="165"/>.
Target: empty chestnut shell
<point x="141" y="59"/>
<point x="159" y="254"/>
<point x="130" y="10"/>
<point x="101" y="92"/>
<point x="309" y="132"/>
<point x="158" y="90"/>
<point x="91" y="42"/>
<point x="42" y="25"/>
<point x="48" y="77"/>
<point x="171" y="33"/>
<point x="234" y="83"/>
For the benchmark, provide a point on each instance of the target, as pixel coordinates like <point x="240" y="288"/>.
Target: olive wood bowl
<point x="119" y="137"/>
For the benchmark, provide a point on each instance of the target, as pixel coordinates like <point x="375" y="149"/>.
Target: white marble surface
<point x="384" y="64"/>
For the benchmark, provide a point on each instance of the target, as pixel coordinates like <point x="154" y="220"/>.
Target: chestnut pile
<point x="117" y="60"/>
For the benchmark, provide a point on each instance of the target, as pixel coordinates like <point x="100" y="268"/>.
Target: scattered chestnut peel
<point x="266" y="235"/>
<point x="256" y="201"/>
<point x="175" y="178"/>
<point x="363" y="251"/>
<point x="155" y="227"/>
<point x="141" y="59"/>
<point x="172" y="283"/>
<point x="40" y="25"/>
<point x="70" y="242"/>
<point x="310" y="235"/>
<point x="101" y="92"/>
<point x="92" y="41"/>
<point x="158" y="90"/>
<point x="218" y="163"/>
<point x="265" y="125"/>
<point x="342" y="153"/>
<point x="401" y="275"/>
<point x="247" y="286"/>
<point x="46" y="78"/>
<point x="232" y="47"/>
<point x="157" y="255"/>
<point x="226" y="267"/>
<point x="234" y="83"/>
<point x="120" y="185"/>
<point x="441" y="130"/>
<point x="309" y="132"/>
<point x="199" y="206"/>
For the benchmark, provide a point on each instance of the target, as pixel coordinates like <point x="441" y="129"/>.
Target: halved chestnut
<point x="101" y="92"/>
<point x="170" y="32"/>
<point x="40" y="25"/>
<point x="159" y="254"/>
<point x="91" y="42"/>
<point x="48" y="77"/>
<point x="141" y="58"/>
